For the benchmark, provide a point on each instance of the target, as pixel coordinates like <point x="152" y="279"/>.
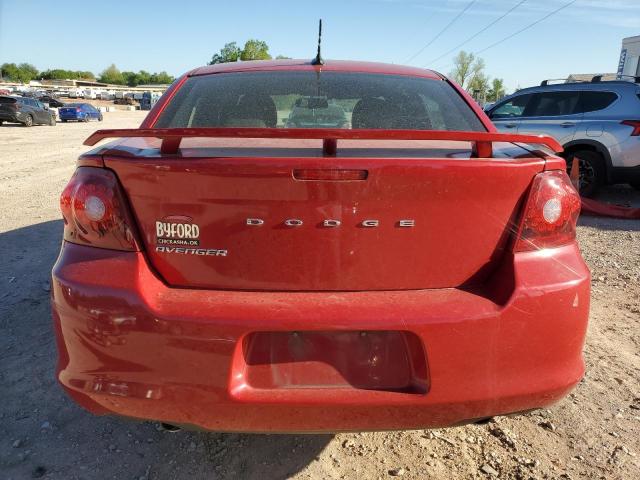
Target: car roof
<point x="328" y="66"/>
<point x="597" y="86"/>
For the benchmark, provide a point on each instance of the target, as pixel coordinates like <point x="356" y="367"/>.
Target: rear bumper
<point x="10" y="117"/>
<point x="131" y="346"/>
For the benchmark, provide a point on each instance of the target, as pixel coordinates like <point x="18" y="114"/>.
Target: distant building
<point x="587" y="77"/>
<point x="155" y="86"/>
<point x="629" y="63"/>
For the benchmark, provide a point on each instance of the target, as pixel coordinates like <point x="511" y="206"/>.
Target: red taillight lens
<point x="550" y="214"/>
<point x="95" y="212"/>
<point x="635" y="124"/>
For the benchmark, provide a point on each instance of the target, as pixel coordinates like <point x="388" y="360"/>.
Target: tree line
<point x="253" y="50"/>
<point x="468" y="71"/>
<point x="25" y="72"/>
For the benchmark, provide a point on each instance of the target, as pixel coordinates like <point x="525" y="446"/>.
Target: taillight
<point x="78" y="110"/>
<point x="550" y="214"/>
<point x="95" y="212"/>
<point x="635" y="124"/>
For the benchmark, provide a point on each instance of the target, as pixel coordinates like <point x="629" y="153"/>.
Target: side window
<point x="511" y="109"/>
<point x="552" y="104"/>
<point x="592" y="101"/>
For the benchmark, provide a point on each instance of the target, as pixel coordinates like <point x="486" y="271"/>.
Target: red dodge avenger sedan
<point x="285" y="246"/>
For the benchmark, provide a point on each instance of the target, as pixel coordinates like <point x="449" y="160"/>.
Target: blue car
<point x="80" y="112"/>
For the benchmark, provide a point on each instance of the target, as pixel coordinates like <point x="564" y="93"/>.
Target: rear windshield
<point x="312" y="100"/>
<point x="7" y="100"/>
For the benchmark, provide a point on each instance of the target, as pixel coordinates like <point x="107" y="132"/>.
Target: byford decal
<point x="178" y="234"/>
<point x="177" y="230"/>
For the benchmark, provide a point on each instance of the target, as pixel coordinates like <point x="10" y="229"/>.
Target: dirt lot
<point x="594" y="433"/>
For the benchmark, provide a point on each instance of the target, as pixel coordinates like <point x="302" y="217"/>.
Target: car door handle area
<point x="510" y="125"/>
<point x="567" y="124"/>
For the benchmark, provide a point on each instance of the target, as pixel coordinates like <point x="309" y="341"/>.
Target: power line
<point x="439" y="34"/>
<point x="478" y="32"/>
<point x="508" y="37"/>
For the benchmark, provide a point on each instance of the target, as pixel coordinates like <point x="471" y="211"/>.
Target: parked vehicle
<point x="79" y="112"/>
<point x="124" y="101"/>
<point x="598" y="122"/>
<point x="51" y="101"/>
<point x="149" y="99"/>
<point x="319" y="279"/>
<point x="25" y="110"/>
<point x="106" y="95"/>
<point x="76" y="93"/>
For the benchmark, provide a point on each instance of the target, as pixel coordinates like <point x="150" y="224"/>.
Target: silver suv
<point x="597" y="121"/>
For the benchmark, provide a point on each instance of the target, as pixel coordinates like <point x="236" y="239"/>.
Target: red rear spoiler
<point x="171" y="137"/>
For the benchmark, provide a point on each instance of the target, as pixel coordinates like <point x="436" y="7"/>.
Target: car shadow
<point x="57" y="437"/>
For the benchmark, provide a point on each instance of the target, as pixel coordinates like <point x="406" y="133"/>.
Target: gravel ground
<point x="594" y="433"/>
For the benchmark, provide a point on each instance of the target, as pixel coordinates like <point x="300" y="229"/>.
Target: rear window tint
<point x="325" y="100"/>
<point x="552" y="104"/>
<point x="593" y="101"/>
<point x="7" y="100"/>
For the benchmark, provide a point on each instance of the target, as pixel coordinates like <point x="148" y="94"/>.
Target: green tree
<point x="134" y="79"/>
<point x="112" y="75"/>
<point x="162" y="78"/>
<point x="255" y="50"/>
<point x="479" y="86"/>
<point x="131" y="78"/>
<point x="23" y="73"/>
<point x="466" y="67"/>
<point x="463" y="68"/>
<point x="468" y="72"/>
<point x="61" y="74"/>
<point x="229" y="53"/>
<point x="144" y="77"/>
<point x="497" y="90"/>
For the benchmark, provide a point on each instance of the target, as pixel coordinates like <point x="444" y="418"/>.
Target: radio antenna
<point x="318" y="60"/>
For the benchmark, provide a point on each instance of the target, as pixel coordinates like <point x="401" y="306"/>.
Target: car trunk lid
<point x="281" y="216"/>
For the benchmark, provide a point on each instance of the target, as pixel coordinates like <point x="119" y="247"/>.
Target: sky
<point x="175" y="36"/>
